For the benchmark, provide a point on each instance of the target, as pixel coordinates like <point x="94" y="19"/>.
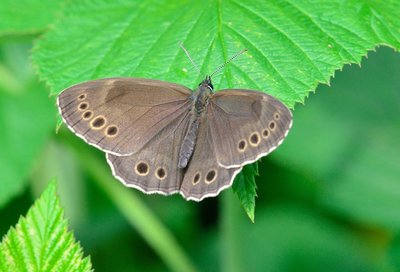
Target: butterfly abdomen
<point x="200" y="102"/>
<point x="189" y="142"/>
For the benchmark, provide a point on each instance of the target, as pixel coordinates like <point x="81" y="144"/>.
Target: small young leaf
<point x="245" y="187"/>
<point x="41" y="241"/>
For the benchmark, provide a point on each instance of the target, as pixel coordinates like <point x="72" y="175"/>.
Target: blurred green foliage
<point x="328" y="198"/>
<point x="26" y="118"/>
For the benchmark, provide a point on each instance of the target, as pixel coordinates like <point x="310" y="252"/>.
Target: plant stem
<point x="230" y="238"/>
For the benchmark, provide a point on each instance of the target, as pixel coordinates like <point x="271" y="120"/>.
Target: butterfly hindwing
<point x="204" y="177"/>
<point x="154" y="169"/>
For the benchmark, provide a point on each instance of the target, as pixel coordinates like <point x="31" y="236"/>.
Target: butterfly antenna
<point x="190" y="58"/>
<point x="229" y="60"/>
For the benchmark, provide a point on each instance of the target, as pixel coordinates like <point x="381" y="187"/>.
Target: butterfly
<point x="162" y="137"/>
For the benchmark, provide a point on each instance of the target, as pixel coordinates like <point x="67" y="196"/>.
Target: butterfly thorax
<point x="202" y="95"/>
<point x="200" y="101"/>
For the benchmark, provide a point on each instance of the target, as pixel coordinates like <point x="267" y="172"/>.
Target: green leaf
<point x="27" y="16"/>
<point x="245" y="187"/>
<point x="25" y="120"/>
<point x="41" y="241"/>
<point x="292" y="45"/>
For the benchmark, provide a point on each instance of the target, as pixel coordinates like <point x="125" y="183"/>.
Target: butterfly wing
<point x="154" y="169"/>
<point x="246" y="125"/>
<point x="121" y="115"/>
<point x="204" y="177"/>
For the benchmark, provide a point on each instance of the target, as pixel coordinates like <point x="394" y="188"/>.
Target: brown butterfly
<point x="161" y="137"/>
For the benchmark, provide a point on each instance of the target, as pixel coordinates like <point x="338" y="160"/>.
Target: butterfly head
<point x="206" y="83"/>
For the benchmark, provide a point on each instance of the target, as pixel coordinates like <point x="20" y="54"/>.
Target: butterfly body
<point x="200" y="100"/>
<point x="161" y="137"/>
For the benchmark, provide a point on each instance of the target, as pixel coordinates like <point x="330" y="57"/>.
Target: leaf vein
<point x="186" y="38"/>
<point x="320" y="28"/>
<point x="282" y="32"/>
<point x="263" y="56"/>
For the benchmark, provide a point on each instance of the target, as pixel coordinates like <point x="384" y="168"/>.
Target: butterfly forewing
<point x="120" y="115"/>
<point x="247" y="125"/>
